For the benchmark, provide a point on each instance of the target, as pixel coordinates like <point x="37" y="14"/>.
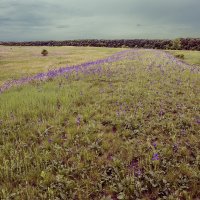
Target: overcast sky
<point x="22" y="20"/>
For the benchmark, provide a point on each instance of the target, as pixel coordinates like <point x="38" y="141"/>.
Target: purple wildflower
<point x="110" y="157"/>
<point x="155" y="156"/>
<point x="138" y="172"/>
<point x="78" y="120"/>
<point x="175" y="147"/>
<point x="134" y="163"/>
<point x="183" y="132"/>
<point x="135" y="166"/>
<point x="161" y="113"/>
<point x="154" y="144"/>
<point x="50" y="140"/>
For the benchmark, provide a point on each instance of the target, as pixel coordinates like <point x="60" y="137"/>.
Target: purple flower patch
<point x="175" y="147"/>
<point x="78" y="120"/>
<point x="155" y="156"/>
<point x="161" y="113"/>
<point x="65" y="71"/>
<point x="154" y="144"/>
<point x="134" y="163"/>
<point x="198" y="121"/>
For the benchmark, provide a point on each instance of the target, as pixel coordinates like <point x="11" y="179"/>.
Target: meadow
<point x="113" y="124"/>
<point x="191" y="57"/>
<point x="16" y="62"/>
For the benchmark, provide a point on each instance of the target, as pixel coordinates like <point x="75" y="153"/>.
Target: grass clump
<point x="181" y="56"/>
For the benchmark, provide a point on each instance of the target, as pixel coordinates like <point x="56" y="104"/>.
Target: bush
<point x="181" y="56"/>
<point x="44" y="52"/>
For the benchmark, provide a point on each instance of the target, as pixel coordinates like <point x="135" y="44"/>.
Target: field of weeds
<point x="126" y="126"/>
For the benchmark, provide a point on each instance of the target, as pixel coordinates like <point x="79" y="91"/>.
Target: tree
<point x="176" y="44"/>
<point x="44" y="52"/>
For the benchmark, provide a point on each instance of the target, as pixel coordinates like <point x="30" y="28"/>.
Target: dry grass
<point x="16" y="62"/>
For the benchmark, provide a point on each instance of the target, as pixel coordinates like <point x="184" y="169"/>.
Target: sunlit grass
<point x="16" y="62"/>
<point x="191" y="57"/>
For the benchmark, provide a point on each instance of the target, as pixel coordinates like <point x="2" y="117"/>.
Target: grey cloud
<point x="63" y="26"/>
<point x="77" y="19"/>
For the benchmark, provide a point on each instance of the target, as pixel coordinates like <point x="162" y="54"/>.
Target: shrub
<point x="181" y="56"/>
<point x="44" y="52"/>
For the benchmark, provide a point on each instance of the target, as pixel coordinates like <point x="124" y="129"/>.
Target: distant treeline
<point x="182" y="43"/>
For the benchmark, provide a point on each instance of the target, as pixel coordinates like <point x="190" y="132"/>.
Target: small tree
<point x="176" y="44"/>
<point x="44" y="52"/>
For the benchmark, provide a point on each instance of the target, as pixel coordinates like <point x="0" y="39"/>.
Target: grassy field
<point x="16" y="62"/>
<point x="191" y="57"/>
<point x="128" y="129"/>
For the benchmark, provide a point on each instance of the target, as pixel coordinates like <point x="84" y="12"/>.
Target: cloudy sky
<point x="22" y="20"/>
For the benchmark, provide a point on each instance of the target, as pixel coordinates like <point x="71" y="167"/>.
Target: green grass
<point x="94" y="136"/>
<point x="16" y="62"/>
<point x="191" y="57"/>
